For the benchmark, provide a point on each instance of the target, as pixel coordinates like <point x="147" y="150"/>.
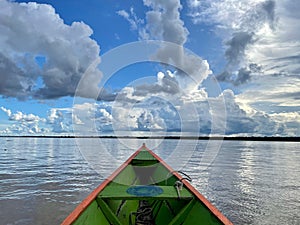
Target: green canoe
<point x="145" y="190"/>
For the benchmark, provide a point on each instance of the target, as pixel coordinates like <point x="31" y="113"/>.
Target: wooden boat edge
<point x="88" y="200"/>
<point x="207" y="203"/>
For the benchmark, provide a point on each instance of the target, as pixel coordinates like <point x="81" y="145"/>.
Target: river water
<point x="43" y="179"/>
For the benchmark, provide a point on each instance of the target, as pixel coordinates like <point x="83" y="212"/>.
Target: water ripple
<point x="253" y="183"/>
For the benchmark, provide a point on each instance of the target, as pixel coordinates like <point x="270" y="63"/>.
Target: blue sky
<point x="214" y="67"/>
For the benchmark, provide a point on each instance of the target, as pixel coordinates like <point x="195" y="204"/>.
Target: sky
<point x="150" y="67"/>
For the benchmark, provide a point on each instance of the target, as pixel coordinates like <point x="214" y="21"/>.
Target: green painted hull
<point x="143" y="191"/>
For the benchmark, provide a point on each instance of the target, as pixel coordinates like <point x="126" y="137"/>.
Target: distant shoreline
<point x="226" y="138"/>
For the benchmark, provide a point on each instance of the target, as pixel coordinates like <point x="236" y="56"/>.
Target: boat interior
<point x="145" y="192"/>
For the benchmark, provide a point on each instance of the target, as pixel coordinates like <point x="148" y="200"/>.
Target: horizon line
<point x="250" y="138"/>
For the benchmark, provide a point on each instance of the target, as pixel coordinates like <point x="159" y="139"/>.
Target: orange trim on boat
<point x="91" y="197"/>
<point x="209" y="205"/>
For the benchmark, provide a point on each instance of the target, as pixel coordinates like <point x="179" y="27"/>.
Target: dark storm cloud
<point x="12" y="79"/>
<point x="236" y="47"/>
<point x="243" y="38"/>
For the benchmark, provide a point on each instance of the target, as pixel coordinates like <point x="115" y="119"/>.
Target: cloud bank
<point x="261" y="44"/>
<point x="261" y="47"/>
<point x="41" y="56"/>
<point x="157" y="114"/>
<point x="23" y="123"/>
<point x="260" y="36"/>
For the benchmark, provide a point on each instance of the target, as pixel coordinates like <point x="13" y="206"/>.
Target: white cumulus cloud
<point x="35" y="43"/>
<point x="22" y="123"/>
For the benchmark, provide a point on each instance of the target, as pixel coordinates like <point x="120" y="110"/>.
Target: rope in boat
<point x="144" y="215"/>
<point x="187" y="177"/>
<point x="178" y="184"/>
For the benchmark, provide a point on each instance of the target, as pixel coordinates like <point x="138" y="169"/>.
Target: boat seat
<point x="120" y="192"/>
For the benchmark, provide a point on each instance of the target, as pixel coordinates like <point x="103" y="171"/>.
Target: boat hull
<point x="145" y="190"/>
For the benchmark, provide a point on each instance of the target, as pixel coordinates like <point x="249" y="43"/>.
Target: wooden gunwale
<point x="208" y="204"/>
<point x="91" y="197"/>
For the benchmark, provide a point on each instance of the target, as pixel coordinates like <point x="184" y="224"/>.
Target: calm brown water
<point x="43" y="179"/>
